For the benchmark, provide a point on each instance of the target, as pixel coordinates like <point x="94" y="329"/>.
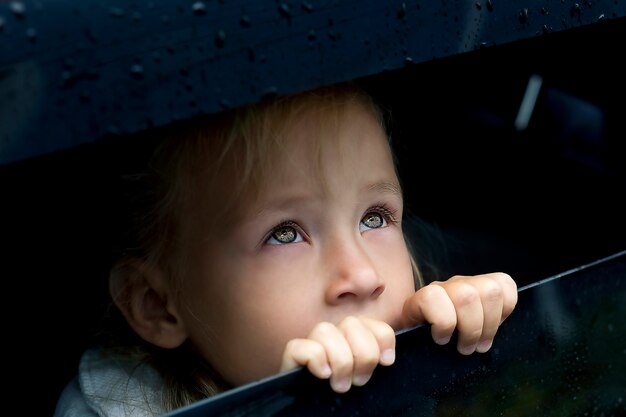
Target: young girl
<point x="269" y="238"/>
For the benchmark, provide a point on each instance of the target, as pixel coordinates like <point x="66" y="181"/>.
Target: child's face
<point x="319" y="244"/>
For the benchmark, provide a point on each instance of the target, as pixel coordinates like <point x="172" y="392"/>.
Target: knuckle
<point x="464" y="294"/>
<point x="323" y="329"/>
<point x="492" y="291"/>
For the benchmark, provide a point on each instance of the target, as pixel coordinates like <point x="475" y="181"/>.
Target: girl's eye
<point x="284" y="234"/>
<point x="372" y="220"/>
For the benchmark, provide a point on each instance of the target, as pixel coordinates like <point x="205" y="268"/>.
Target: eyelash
<point x="382" y="209"/>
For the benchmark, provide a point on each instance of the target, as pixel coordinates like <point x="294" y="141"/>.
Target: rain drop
<point x="307" y="7"/>
<point x="136" y="71"/>
<point x="269" y="93"/>
<point x="220" y="39"/>
<point x="251" y="54"/>
<point x="311" y="36"/>
<point x="245" y="21"/>
<point x="490" y="5"/>
<point x="199" y="8"/>
<point x="1" y="23"/>
<point x="402" y="12"/>
<point x="116" y="12"/>
<point x="84" y="96"/>
<point x="31" y="33"/>
<point x="523" y="15"/>
<point x="18" y="8"/>
<point x="225" y="104"/>
<point x="478" y="5"/>
<point x="284" y="10"/>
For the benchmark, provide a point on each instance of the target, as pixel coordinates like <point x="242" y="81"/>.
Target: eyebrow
<point x="386" y="187"/>
<point x="378" y="187"/>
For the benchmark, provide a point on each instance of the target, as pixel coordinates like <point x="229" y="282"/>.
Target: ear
<point x="144" y="297"/>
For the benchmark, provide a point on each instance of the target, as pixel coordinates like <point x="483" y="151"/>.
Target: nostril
<point x="346" y="295"/>
<point x="378" y="291"/>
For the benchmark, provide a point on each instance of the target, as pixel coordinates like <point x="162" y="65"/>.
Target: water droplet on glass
<point x="307" y="7"/>
<point x="199" y="8"/>
<point x="601" y="17"/>
<point x="136" y="17"/>
<point x="402" y="12"/>
<point x="523" y="15"/>
<point x="31" y="34"/>
<point x="284" y="10"/>
<point x="136" y="71"/>
<point x="478" y="5"/>
<point x="220" y="38"/>
<point x="165" y="19"/>
<point x="311" y="35"/>
<point x="1" y="23"/>
<point x="269" y="93"/>
<point x="113" y="129"/>
<point x="84" y="96"/>
<point x="245" y="21"/>
<point x="546" y="29"/>
<point x="408" y="61"/>
<point x="251" y="54"/>
<point x="18" y="8"/>
<point x="116" y="12"/>
<point x="490" y="5"/>
<point x="575" y="10"/>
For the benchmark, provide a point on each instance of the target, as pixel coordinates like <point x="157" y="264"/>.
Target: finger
<point x="364" y="346"/>
<point x="309" y="353"/>
<point x="385" y="337"/>
<point x="433" y="305"/>
<point x="508" y="285"/>
<point x="491" y="296"/>
<point x="509" y="293"/>
<point x="338" y="353"/>
<point x="469" y="312"/>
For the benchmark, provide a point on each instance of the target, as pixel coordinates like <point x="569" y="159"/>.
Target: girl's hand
<point x="475" y="305"/>
<point x="346" y="353"/>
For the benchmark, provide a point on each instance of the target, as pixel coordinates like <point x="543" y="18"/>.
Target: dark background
<point x="531" y="203"/>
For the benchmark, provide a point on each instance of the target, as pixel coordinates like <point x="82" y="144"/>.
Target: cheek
<point x="393" y="263"/>
<point x="389" y="250"/>
<point x="241" y="314"/>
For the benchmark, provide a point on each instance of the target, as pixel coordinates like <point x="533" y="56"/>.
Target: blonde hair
<point x="184" y="177"/>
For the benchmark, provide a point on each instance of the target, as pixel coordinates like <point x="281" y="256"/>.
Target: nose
<point x="352" y="274"/>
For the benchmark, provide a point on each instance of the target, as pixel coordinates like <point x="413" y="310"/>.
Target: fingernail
<point x="484" y="346"/>
<point x="388" y="356"/>
<point x="467" y="350"/>
<point x="325" y="372"/>
<point x="443" y="341"/>
<point x="360" y="380"/>
<point x="341" y="385"/>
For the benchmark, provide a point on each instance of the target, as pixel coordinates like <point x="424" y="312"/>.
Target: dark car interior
<point x="512" y="148"/>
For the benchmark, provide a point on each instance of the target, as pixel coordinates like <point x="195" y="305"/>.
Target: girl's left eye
<point x="372" y="220"/>
<point x="283" y="234"/>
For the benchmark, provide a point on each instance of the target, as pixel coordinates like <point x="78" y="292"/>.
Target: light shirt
<point x="111" y="387"/>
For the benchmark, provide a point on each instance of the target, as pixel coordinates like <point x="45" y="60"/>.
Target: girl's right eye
<point x="283" y="234"/>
